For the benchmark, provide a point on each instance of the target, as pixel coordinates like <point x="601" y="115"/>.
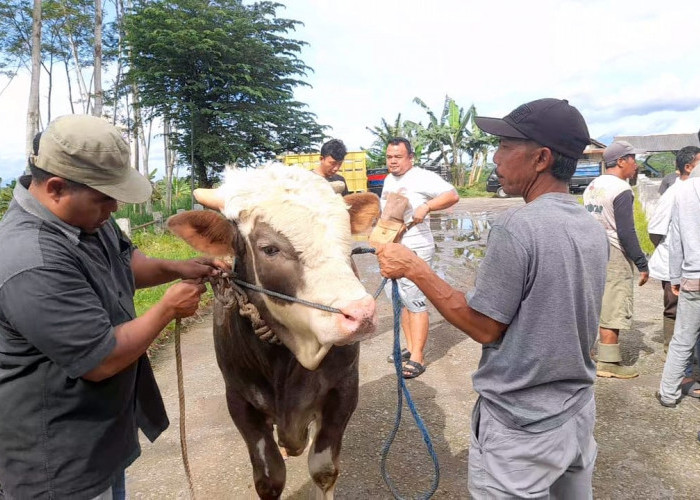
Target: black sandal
<point x="412" y="369"/>
<point x="405" y="356"/>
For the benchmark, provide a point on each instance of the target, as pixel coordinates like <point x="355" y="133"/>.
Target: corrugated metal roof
<point x="659" y="143"/>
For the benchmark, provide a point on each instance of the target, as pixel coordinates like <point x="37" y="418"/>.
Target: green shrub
<point x="478" y="190"/>
<point x="165" y="246"/>
<point x="640" y="225"/>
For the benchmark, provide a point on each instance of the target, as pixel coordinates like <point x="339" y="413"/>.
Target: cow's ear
<point x="206" y="231"/>
<point x="364" y="211"/>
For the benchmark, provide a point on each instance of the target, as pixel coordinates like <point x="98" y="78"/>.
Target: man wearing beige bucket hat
<point x="75" y="382"/>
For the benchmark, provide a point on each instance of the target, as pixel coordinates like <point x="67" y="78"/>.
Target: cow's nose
<point x="359" y="317"/>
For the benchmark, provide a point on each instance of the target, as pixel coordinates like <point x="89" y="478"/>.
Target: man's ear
<point x="544" y="159"/>
<point x="56" y="187"/>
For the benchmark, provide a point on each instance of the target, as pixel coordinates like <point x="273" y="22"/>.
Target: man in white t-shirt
<point x="426" y="192"/>
<point x="686" y="160"/>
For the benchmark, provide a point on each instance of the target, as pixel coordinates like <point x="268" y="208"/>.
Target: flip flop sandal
<point x="691" y="389"/>
<point x="412" y="369"/>
<point x="405" y="356"/>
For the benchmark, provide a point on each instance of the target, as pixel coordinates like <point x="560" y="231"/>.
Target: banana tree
<point x="448" y="136"/>
<point x="478" y="146"/>
<point x="384" y="132"/>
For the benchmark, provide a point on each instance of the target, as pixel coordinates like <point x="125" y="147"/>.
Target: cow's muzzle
<point x="358" y="320"/>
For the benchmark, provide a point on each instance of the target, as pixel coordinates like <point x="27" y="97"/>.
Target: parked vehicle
<point x="586" y="171"/>
<point x="493" y="185"/>
<point x="375" y="179"/>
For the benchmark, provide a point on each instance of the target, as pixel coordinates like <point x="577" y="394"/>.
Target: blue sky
<point x="631" y="67"/>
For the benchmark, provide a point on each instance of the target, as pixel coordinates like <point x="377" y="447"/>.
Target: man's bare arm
<point x="397" y="261"/>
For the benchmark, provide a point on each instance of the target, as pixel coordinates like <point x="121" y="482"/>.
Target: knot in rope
<point x="229" y="294"/>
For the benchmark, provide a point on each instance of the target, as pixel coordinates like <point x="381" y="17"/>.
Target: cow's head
<point x="290" y="233"/>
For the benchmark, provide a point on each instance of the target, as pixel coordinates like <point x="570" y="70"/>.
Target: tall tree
<point x="67" y="38"/>
<point x="97" y="108"/>
<point x="33" y="106"/>
<point x="225" y="71"/>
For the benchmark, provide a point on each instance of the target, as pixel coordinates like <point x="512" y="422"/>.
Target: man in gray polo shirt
<point x="75" y="383"/>
<point x="535" y="309"/>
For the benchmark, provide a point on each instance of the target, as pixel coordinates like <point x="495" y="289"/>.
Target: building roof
<point x="660" y="143"/>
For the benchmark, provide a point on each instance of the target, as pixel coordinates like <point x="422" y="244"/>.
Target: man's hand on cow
<point x="396" y="261"/>
<point x="201" y="267"/>
<point x="183" y="298"/>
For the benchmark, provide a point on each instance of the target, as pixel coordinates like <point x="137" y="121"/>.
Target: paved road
<point x="645" y="451"/>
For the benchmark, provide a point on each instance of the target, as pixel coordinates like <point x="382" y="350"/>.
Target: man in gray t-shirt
<point x="535" y="309"/>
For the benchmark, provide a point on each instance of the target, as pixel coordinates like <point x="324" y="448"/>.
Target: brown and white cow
<point x="290" y="233"/>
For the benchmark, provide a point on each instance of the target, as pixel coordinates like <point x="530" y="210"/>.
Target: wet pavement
<point x="645" y="450"/>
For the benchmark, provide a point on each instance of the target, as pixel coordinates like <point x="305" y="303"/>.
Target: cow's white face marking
<point x="304" y="210"/>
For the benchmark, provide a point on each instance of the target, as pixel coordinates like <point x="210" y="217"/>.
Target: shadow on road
<point x="409" y="464"/>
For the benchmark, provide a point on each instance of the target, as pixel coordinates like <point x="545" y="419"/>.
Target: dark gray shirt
<point x="62" y="292"/>
<point x="543" y="275"/>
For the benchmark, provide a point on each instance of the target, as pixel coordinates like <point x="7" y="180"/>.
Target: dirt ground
<point x="645" y="450"/>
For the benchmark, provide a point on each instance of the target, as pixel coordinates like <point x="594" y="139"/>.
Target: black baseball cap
<point x="553" y="123"/>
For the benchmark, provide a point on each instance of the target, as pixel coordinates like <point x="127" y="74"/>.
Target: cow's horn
<point x="209" y="198"/>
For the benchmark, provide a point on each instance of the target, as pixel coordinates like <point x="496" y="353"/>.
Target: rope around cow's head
<point x="227" y="290"/>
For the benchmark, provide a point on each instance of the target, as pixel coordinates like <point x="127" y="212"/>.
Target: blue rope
<point x="401" y="388"/>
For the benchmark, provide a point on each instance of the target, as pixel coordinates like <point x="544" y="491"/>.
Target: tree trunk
<point x="70" y="87"/>
<point x="97" y="110"/>
<point x="145" y="150"/>
<point x="84" y="95"/>
<point x="50" y="91"/>
<point x="168" y="166"/>
<point x="33" y="107"/>
<point x="119" y="8"/>
<point x="136" y="155"/>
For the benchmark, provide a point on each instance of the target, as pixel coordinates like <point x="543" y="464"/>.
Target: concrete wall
<point x="648" y="194"/>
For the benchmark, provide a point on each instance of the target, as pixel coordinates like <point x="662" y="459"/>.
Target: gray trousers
<point x="680" y="350"/>
<point x="512" y="463"/>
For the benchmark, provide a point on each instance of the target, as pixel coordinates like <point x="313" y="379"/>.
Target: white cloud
<point x="628" y="65"/>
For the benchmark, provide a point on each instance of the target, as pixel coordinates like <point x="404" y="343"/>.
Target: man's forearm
<point x="133" y="338"/>
<point x="453" y="306"/>
<point x="443" y="201"/>
<point x="151" y="272"/>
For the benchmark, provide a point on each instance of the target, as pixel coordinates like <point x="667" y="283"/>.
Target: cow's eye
<point x="270" y="250"/>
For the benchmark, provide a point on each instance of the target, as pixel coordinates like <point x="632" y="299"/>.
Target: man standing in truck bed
<point x="332" y="156"/>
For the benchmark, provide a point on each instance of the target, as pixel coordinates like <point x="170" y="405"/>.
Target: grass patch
<point x="478" y="190"/>
<point x="162" y="246"/>
<point x="136" y="213"/>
